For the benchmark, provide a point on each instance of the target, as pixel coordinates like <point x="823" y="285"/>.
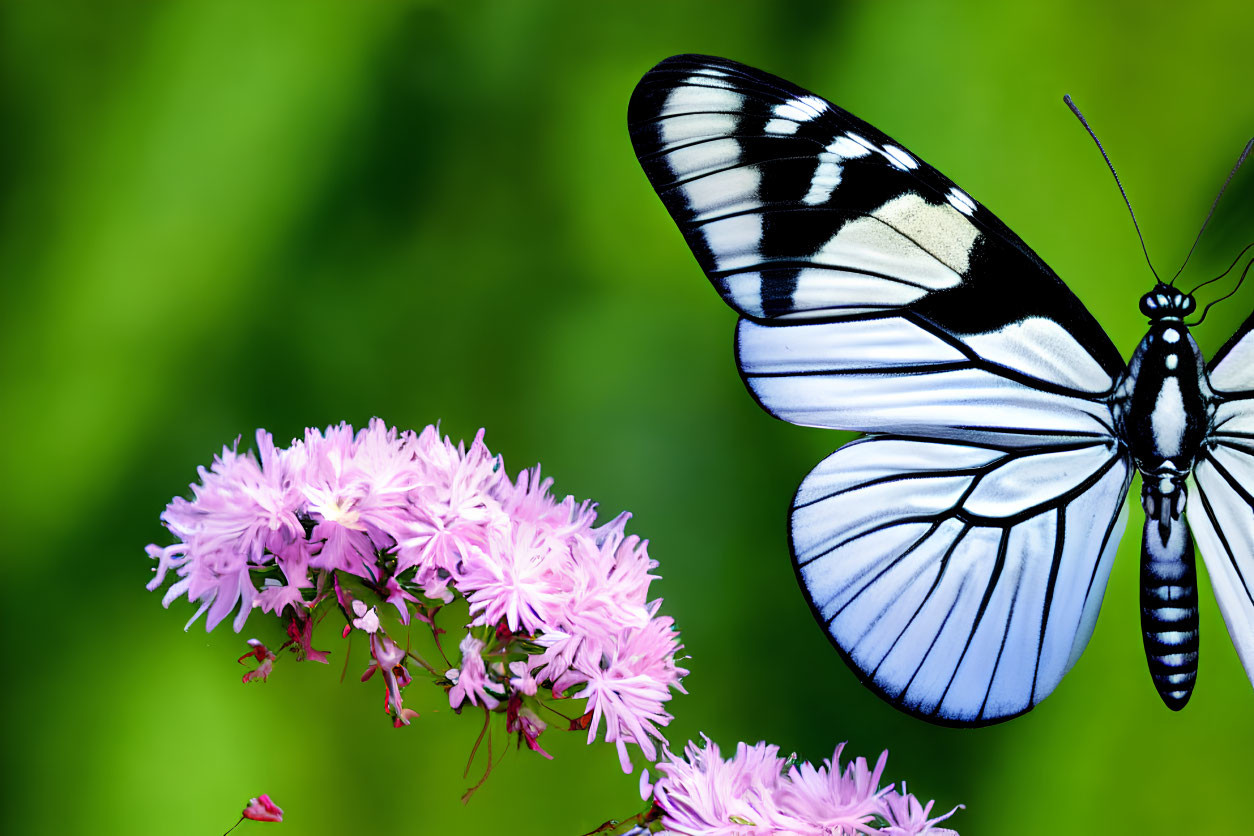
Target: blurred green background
<point x="223" y="215"/>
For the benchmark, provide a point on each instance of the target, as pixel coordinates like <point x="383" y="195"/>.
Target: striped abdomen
<point x="1169" y="608"/>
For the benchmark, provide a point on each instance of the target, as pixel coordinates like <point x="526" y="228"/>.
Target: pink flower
<point x="471" y="682"/>
<point x="336" y="492"/>
<point x="293" y="560"/>
<point x="397" y="597"/>
<point x="629" y="565"/>
<point x="600" y="603"/>
<point x="830" y="799"/>
<point x="241" y="510"/>
<point x="522" y="680"/>
<point x="701" y="793"/>
<point x="265" y="659"/>
<point x="906" y="816"/>
<point x="367" y="617"/>
<point x="456" y="511"/>
<point x="629" y="686"/>
<point x="262" y="808"/>
<point x="520" y="718"/>
<point x="390" y="466"/>
<point x="300" y="636"/>
<point x="389" y="661"/>
<point x="519" y="580"/>
<point x="528" y="501"/>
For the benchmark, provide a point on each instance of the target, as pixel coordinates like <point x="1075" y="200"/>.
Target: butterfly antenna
<point x="1249" y="145"/>
<point x="1110" y="165"/>
<point x="1198" y="287"/>
<point x="1249" y="264"/>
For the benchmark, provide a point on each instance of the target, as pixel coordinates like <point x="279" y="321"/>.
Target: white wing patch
<point x="936" y="228"/>
<point x="898" y="158"/>
<point x="960" y="201"/>
<point x="704" y="94"/>
<point x="1043" y="349"/>
<point x="790" y="115"/>
<point x="1235" y="371"/>
<point x="821" y="291"/>
<point x="734" y="241"/>
<point x="889" y="343"/>
<point x="872" y="245"/>
<point x="1233" y="418"/>
<point x="682" y="129"/>
<point x="728" y="193"/>
<point x="783" y="127"/>
<point x="827" y="173"/>
<point x="801" y="109"/>
<point x="703" y="158"/>
<point x="950" y="614"/>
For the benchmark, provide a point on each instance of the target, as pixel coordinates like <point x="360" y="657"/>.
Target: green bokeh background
<point x="217" y="216"/>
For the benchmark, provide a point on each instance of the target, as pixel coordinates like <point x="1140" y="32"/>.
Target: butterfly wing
<point x="1220" y="507"/>
<point x="799" y="211"/>
<point x="961" y="580"/>
<point x="877" y="296"/>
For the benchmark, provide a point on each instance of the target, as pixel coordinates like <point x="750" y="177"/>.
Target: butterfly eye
<point x="1149" y="305"/>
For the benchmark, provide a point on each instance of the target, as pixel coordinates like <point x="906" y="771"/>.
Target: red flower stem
<point x="348" y="651"/>
<point x="487" y="718"/>
<point x="648" y="817"/>
<point x="423" y="662"/>
<point x="544" y="704"/>
<point x="435" y="634"/>
<point x="504" y="750"/>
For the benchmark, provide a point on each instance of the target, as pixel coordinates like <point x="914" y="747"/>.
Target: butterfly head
<point x="1167" y="302"/>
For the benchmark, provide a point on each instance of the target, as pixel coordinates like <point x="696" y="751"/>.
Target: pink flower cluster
<point x="558" y="605"/>
<point x="262" y="808"/>
<point x="758" y="792"/>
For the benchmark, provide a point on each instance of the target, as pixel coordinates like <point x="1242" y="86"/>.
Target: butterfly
<point x="956" y="554"/>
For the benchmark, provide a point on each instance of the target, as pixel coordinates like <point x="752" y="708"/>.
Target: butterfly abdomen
<point x="1169" y="622"/>
<point x="1164" y="417"/>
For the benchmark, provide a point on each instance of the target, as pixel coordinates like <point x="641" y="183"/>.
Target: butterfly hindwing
<point x="960" y="580"/>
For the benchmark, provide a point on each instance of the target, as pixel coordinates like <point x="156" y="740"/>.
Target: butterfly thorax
<point x="1162" y="402"/>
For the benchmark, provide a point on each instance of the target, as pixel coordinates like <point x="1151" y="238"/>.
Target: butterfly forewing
<point x="797" y="209"/>
<point x="958" y="568"/>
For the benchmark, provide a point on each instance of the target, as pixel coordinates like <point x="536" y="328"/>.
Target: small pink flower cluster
<point x="262" y="808"/>
<point x="557" y="605"/>
<point x="756" y="791"/>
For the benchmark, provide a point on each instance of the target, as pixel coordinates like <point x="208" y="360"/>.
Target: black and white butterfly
<point x="956" y="555"/>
